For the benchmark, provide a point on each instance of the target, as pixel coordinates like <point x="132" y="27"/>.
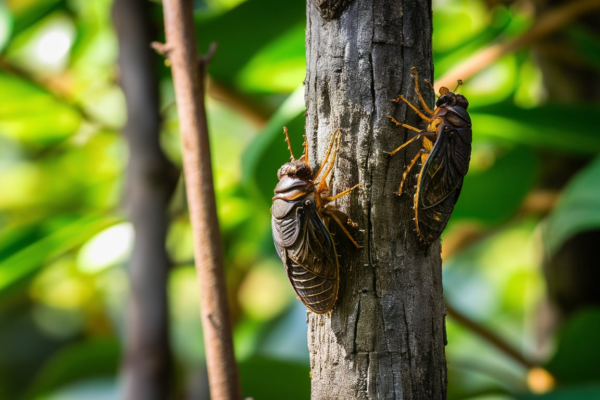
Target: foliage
<point x="64" y="242"/>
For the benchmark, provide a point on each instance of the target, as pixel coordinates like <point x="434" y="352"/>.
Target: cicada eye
<point x="307" y="202"/>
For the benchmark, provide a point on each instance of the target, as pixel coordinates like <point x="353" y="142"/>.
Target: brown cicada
<point x="300" y="217"/>
<point x="444" y="158"/>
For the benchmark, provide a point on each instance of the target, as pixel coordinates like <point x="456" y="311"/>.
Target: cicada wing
<point x="312" y="264"/>
<point x="307" y="250"/>
<point x="440" y="184"/>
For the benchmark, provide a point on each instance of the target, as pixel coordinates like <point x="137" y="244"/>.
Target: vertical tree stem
<point x="189" y="91"/>
<point x="385" y="339"/>
<point x="151" y="179"/>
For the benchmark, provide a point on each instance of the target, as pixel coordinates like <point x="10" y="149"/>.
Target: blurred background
<point x="521" y="252"/>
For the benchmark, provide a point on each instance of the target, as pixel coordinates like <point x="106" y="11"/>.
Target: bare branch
<point x="545" y="25"/>
<point x="189" y="91"/>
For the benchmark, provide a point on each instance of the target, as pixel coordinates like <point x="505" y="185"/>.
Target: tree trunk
<point x="151" y="179"/>
<point x="385" y="338"/>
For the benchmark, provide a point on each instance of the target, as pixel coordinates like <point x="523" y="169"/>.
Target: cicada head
<point x="451" y="99"/>
<point x="295" y="169"/>
<point x="294" y="175"/>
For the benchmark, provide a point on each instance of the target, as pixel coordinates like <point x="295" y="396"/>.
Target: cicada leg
<point x="421" y="153"/>
<point x="420" y="135"/>
<point x="412" y="128"/>
<point x="423" y="116"/>
<point x="416" y="78"/>
<point x="305" y="152"/>
<point x="337" y="196"/>
<point x="331" y="214"/>
<point x="322" y="187"/>
<point x="332" y="143"/>
<point x="431" y="87"/>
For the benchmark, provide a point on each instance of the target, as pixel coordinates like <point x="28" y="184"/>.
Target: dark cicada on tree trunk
<point x="445" y="159"/>
<point x="300" y="216"/>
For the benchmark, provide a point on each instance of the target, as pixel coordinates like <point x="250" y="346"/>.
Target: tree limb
<point x="189" y="91"/>
<point x="151" y="180"/>
<point x="549" y="22"/>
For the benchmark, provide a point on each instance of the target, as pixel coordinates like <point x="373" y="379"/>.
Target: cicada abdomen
<point x="300" y="214"/>
<point x="445" y="160"/>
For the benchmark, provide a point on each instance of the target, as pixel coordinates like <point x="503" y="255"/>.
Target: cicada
<point x="300" y="216"/>
<point x="444" y="159"/>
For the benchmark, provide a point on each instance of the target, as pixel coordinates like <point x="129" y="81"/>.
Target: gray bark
<point x="151" y="179"/>
<point x="385" y="338"/>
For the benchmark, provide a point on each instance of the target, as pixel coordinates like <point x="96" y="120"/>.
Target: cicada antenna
<point x="458" y="84"/>
<point x="287" y="139"/>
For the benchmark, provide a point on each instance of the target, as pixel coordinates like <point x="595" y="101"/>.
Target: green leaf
<point x="33" y="255"/>
<point x="587" y="392"/>
<point x="29" y="13"/>
<point x="577" y="358"/>
<point x="493" y="191"/>
<point x="578" y="209"/>
<point x="268" y="152"/>
<point x="279" y="66"/>
<point x="586" y="42"/>
<point x="559" y="127"/>
<point x="32" y="115"/>
<point x="84" y="360"/>
<point x="262" y="20"/>
<point x="6" y="25"/>
<point x="265" y="378"/>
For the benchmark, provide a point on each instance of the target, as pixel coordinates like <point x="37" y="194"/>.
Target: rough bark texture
<point x="189" y="92"/>
<point x="151" y="179"/>
<point x="385" y="339"/>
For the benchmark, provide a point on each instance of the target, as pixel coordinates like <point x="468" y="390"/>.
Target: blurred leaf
<point x="84" y="360"/>
<point x="262" y="20"/>
<point x="585" y="42"/>
<point x="279" y="67"/>
<point x="286" y="338"/>
<point x="588" y="392"/>
<point x="28" y="13"/>
<point x="6" y="25"/>
<point x="93" y="389"/>
<point x="566" y="128"/>
<point x="33" y="255"/>
<point x="33" y="115"/>
<point x="577" y="358"/>
<point x="264" y="378"/>
<point x="268" y="152"/>
<point x="578" y="210"/>
<point x="493" y="193"/>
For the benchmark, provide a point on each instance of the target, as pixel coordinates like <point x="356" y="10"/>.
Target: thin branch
<point x="189" y="91"/>
<point x="537" y="203"/>
<point x="549" y="22"/>
<point x="51" y="85"/>
<point x="489" y="336"/>
<point x="238" y="102"/>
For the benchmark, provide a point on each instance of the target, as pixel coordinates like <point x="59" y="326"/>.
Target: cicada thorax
<point x="304" y="243"/>
<point x="444" y="168"/>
